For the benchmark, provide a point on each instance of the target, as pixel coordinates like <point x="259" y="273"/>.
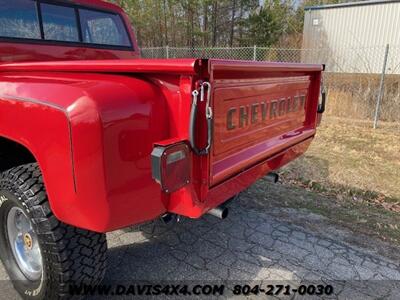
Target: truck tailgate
<point x="259" y="109"/>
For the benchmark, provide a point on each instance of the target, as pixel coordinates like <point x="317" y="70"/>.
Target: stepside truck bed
<point x="263" y="116"/>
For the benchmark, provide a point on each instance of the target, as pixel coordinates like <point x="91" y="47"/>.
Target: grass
<point x="349" y="157"/>
<point x="351" y="175"/>
<point x="355" y="95"/>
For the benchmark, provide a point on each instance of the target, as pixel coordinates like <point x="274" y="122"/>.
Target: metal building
<point x="351" y="37"/>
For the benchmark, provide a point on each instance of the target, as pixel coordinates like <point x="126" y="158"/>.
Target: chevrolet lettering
<point x="263" y="111"/>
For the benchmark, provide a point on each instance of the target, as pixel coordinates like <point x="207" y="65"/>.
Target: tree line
<point x="218" y="23"/>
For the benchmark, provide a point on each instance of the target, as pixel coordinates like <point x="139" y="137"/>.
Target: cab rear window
<point x="59" y="23"/>
<point x="19" y="19"/>
<point x="103" y="28"/>
<point x="44" y="20"/>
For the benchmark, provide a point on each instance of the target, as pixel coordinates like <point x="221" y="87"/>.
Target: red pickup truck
<point x="94" y="139"/>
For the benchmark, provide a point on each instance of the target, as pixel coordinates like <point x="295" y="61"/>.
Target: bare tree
<point x="232" y="23"/>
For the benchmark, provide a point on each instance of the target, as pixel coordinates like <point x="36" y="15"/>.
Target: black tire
<point x="70" y="256"/>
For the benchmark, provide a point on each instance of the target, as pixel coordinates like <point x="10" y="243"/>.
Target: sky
<point x="295" y="2"/>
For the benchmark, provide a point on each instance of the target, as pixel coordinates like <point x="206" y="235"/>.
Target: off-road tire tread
<point x="73" y="256"/>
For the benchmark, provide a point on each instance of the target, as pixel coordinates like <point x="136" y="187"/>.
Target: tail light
<point x="171" y="166"/>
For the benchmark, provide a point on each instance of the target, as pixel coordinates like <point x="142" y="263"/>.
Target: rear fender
<point x="92" y="135"/>
<point x="43" y="129"/>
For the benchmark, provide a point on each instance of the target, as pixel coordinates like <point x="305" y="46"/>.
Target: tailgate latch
<point x="193" y="118"/>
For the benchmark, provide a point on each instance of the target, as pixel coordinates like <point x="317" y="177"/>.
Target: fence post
<point x="381" y="87"/>
<point x="255" y="53"/>
<point x="167" y="51"/>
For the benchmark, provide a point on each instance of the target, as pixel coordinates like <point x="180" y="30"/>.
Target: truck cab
<point x="94" y="138"/>
<point x="65" y="30"/>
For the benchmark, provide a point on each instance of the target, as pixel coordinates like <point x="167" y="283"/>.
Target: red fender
<point x="92" y="139"/>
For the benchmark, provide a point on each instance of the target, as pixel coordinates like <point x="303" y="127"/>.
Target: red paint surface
<point x="92" y="126"/>
<point x="12" y="52"/>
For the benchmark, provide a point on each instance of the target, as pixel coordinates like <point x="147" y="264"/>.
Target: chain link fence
<point x="352" y="78"/>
